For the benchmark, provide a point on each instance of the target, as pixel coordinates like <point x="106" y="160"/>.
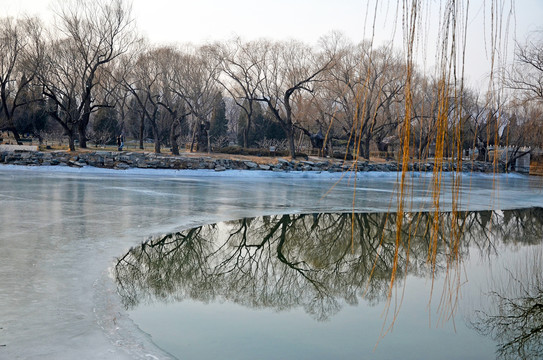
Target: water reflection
<point x="514" y="315"/>
<point x="313" y="261"/>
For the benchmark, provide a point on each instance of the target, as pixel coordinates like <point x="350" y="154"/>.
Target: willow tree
<point x="527" y="75"/>
<point x="140" y="76"/>
<point x="289" y="68"/>
<point x="242" y="75"/>
<point x="174" y="105"/>
<point x="194" y="79"/>
<point x="21" y="56"/>
<point x="524" y="128"/>
<point x="364" y="85"/>
<point x="445" y="48"/>
<point x="93" y="34"/>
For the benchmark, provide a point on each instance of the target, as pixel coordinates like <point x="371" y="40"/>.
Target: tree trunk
<point x="246" y="131"/>
<point x="208" y="142"/>
<point x="142" y="129"/>
<point x="173" y="138"/>
<point x="246" y="136"/>
<point x="82" y="126"/>
<point x="194" y="137"/>
<point x="16" y="135"/>
<point x="71" y="140"/>
<point x="201" y="138"/>
<point x="82" y="137"/>
<point x="289" y="130"/>
<point x="8" y="115"/>
<point x="84" y="122"/>
<point x="366" y="147"/>
<point x="423" y="148"/>
<point x="156" y="137"/>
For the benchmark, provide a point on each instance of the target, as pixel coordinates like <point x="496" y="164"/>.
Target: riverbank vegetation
<point x="91" y="78"/>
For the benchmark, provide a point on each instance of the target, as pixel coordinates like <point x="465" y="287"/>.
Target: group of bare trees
<point x="64" y="69"/>
<point x="91" y="77"/>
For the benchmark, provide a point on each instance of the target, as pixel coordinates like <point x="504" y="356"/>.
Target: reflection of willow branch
<point x="287" y="261"/>
<point x="515" y="320"/>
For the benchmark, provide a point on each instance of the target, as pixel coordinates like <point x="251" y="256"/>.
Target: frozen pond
<point x="62" y="230"/>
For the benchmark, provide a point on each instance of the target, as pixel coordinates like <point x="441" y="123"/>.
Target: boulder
<point x="250" y="164"/>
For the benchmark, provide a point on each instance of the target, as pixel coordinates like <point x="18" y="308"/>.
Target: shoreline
<point x="123" y="160"/>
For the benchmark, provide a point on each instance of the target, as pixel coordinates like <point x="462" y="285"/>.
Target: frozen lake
<point x="62" y="229"/>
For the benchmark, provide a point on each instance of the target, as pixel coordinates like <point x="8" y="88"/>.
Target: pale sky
<point x="198" y="21"/>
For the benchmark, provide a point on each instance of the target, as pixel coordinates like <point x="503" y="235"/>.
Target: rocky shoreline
<point x="125" y="160"/>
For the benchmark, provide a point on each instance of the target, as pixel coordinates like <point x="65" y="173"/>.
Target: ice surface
<point x="61" y="229"/>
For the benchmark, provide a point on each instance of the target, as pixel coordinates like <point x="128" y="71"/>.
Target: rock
<point x="102" y="153"/>
<point x="116" y="160"/>
<point x="121" y="166"/>
<point x="250" y="164"/>
<point x="74" y="164"/>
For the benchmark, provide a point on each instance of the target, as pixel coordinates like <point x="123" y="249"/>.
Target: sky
<point x="198" y="21"/>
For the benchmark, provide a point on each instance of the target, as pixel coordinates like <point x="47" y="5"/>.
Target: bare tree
<point x="60" y="85"/>
<point x="424" y="114"/>
<point x="142" y="81"/>
<point x="525" y="79"/>
<point x="523" y="132"/>
<point x="364" y="86"/>
<point x="21" y="55"/>
<point x="288" y="68"/>
<point x="482" y="123"/>
<point x="526" y="76"/>
<point x="194" y="79"/>
<point x="242" y="75"/>
<point x="169" y="99"/>
<point x="94" y="33"/>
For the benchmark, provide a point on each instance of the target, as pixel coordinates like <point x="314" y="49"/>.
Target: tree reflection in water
<point x="514" y="315"/>
<point x="319" y="261"/>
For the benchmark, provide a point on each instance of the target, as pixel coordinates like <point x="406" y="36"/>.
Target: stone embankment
<point x="126" y="160"/>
